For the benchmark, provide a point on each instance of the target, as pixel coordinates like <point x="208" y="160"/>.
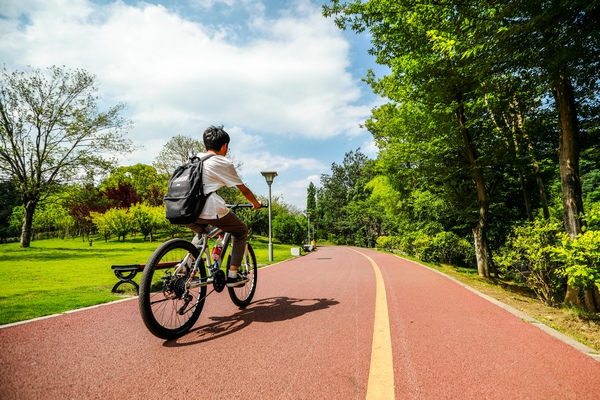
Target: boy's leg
<point x="233" y="224"/>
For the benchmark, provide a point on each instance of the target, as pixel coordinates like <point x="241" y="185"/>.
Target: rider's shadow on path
<point x="266" y="310"/>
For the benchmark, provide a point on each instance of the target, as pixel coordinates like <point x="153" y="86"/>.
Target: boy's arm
<point x="250" y="196"/>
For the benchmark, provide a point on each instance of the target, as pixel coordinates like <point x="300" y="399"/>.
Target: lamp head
<point x="269" y="176"/>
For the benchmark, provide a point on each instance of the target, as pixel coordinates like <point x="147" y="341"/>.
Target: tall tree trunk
<point x="482" y="250"/>
<point x="568" y="156"/>
<point x="538" y="177"/>
<point x="525" y="195"/>
<point x="541" y="188"/>
<point x="27" y="228"/>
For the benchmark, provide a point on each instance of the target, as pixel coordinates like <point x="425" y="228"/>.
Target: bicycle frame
<point x="205" y="256"/>
<point x="171" y="300"/>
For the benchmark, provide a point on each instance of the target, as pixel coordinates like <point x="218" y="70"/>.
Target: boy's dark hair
<point x="215" y="137"/>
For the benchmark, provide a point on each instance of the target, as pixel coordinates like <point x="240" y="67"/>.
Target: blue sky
<point x="284" y="81"/>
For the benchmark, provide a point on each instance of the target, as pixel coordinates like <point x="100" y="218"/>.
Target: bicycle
<point x="171" y="301"/>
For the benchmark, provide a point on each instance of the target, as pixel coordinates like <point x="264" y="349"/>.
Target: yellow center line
<point x="381" y="373"/>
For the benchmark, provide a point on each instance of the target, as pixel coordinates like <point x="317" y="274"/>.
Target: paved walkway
<point x="317" y="329"/>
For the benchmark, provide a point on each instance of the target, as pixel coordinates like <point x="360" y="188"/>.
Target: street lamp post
<point x="308" y="226"/>
<point x="269" y="177"/>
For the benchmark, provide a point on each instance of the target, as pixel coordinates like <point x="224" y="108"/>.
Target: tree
<point x="102" y="224"/>
<point x="341" y="195"/>
<point x="50" y="130"/>
<point x="175" y="152"/>
<point x="80" y="202"/>
<point x="288" y="229"/>
<point x="123" y="195"/>
<point x="53" y="216"/>
<point x="560" y="43"/>
<point x="147" y="218"/>
<point x="425" y="46"/>
<point x="453" y="54"/>
<point x="119" y="221"/>
<point x="311" y="199"/>
<point x="144" y="179"/>
<point x="311" y="203"/>
<point x="9" y="198"/>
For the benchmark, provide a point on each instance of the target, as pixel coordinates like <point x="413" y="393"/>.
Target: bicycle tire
<point x="242" y="295"/>
<point x="164" y="312"/>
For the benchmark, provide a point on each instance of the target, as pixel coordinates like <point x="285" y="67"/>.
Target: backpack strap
<point x="202" y="159"/>
<point x="206" y="157"/>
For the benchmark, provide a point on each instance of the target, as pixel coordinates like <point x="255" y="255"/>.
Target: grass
<point x="54" y="275"/>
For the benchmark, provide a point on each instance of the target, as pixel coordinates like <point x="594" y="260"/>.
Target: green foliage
<point x="143" y="179"/>
<point x="343" y="212"/>
<point x="531" y="249"/>
<point x="16" y="218"/>
<point x="581" y="259"/>
<point x="80" y="201"/>
<point x="147" y="219"/>
<point x="102" y="225"/>
<point x="592" y="217"/>
<point x="289" y="229"/>
<point x="119" y="222"/>
<point x="443" y="247"/>
<point x="51" y="131"/>
<point x="311" y="199"/>
<point x="388" y="243"/>
<point x="174" y="230"/>
<point x="9" y="198"/>
<point x="175" y="152"/>
<point x="53" y="216"/>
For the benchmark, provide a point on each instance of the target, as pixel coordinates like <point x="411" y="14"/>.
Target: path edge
<point x="519" y="314"/>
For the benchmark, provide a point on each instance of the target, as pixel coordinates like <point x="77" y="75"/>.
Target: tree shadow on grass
<point x="63" y="253"/>
<point x="269" y="310"/>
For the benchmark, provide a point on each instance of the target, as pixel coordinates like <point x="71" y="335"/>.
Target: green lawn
<point x="55" y="275"/>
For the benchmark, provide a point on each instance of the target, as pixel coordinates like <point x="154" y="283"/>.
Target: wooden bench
<point x="126" y="273"/>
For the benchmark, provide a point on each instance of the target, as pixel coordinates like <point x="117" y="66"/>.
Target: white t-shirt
<point x="217" y="172"/>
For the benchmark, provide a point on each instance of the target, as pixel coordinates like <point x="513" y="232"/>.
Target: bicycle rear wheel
<point x="168" y="303"/>
<point x="242" y="295"/>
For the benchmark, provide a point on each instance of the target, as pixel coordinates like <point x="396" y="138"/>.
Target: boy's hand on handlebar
<point x="258" y="205"/>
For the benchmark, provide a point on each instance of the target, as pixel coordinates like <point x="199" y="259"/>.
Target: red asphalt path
<point x="307" y="335"/>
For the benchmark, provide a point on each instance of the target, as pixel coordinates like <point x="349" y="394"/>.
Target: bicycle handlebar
<point x="236" y="206"/>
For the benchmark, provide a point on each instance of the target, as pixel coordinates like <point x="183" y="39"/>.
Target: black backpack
<point x="185" y="196"/>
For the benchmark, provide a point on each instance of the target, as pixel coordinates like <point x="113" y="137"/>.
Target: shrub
<point x="449" y="248"/>
<point x="146" y="219"/>
<point x="288" y="229"/>
<point x="388" y="243"/>
<point x="581" y="258"/>
<point x="115" y="221"/>
<point x="102" y="225"/>
<point x="532" y="247"/>
<point x="424" y="248"/>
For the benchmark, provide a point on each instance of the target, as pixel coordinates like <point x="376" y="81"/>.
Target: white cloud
<point x="370" y="149"/>
<point x="289" y="78"/>
<point x="278" y="75"/>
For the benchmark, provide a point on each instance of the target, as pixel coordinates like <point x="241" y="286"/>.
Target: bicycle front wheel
<point x="242" y="295"/>
<point x="170" y="302"/>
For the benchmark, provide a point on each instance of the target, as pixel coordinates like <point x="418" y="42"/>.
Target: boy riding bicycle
<point x="219" y="171"/>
